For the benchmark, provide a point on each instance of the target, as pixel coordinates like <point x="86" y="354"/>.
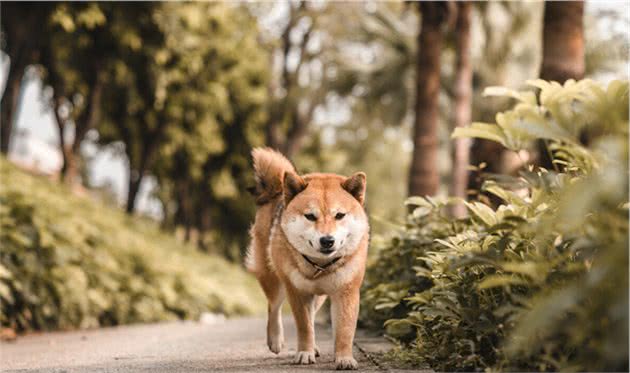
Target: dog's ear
<point x="355" y="185"/>
<point x="292" y="184"/>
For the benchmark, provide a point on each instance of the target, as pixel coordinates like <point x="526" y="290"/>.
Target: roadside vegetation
<point x="536" y="277"/>
<point x="511" y="252"/>
<point x="72" y="262"/>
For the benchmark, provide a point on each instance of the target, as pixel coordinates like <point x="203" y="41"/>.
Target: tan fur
<point x="281" y="235"/>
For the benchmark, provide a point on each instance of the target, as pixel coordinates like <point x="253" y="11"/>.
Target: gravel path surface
<point x="236" y="345"/>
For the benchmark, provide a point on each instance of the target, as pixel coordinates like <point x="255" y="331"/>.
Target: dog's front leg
<point x="302" y="307"/>
<point x="345" y="311"/>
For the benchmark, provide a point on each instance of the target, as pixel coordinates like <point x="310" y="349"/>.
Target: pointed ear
<point x="292" y="184"/>
<point x="355" y="185"/>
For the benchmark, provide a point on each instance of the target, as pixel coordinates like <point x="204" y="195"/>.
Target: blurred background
<point x="155" y="107"/>
<point x="126" y="131"/>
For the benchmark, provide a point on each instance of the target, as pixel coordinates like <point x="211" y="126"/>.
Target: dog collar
<point x="319" y="269"/>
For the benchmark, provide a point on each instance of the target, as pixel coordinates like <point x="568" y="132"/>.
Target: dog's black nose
<point x="327" y="242"/>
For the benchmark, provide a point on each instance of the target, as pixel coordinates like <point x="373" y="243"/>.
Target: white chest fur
<point x="328" y="283"/>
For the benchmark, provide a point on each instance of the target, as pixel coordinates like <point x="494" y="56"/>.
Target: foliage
<point x="69" y="262"/>
<point x="540" y="282"/>
<point x="373" y="57"/>
<point x="203" y="165"/>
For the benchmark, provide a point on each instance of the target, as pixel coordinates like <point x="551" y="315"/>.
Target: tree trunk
<point x="135" y="179"/>
<point x="187" y="234"/>
<point x="69" y="168"/>
<point x="88" y="119"/>
<point x="271" y="134"/>
<point x="91" y="115"/>
<point x="563" y="52"/>
<point x="463" y="97"/>
<point x="187" y="210"/>
<point x="424" y="177"/>
<point x="284" y="109"/>
<point x="563" y="41"/>
<point x="204" y="227"/>
<point x="152" y="141"/>
<point x="298" y="130"/>
<point x="22" y="28"/>
<point x="9" y="103"/>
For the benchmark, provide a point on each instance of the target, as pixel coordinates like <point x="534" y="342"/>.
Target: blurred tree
<point x="356" y="64"/>
<point x="375" y="66"/>
<point x="606" y="44"/>
<point x="424" y="178"/>
<point x="202" y="167"/>
<point x="136" y="99"/>
<point x="76" y="59"/>
<point x="372" y="62"/>
<point x="375" y="63"/>
<point x="509" y="54"/>
<point x="292" y="101"/>
<point x="563" y="41"/>
<point x="372" y="84"/>
<point x="23" y="26"/>
<point x="462" y="105"/>
<point x="563" y="52"/>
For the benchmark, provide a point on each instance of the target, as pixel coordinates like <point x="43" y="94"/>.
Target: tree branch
<point x="90" y="116"/>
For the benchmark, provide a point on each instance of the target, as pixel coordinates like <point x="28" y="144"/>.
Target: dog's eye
<point x="340" y="215"/>
<point x="310" y="217"/>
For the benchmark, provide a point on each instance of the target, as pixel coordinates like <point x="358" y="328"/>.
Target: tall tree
<point x="379" y="82"/>
<point x="507" y="58"/>
<point x="23" y="26"/>
<point x="424" y="178"/>
<point x="137" y="98"/>
<point x="563" y="52"/>
<point x="137" y="119"/>
<point x="75" y="60"/>
<point x="563" y="41"/>
<point x="220" y="114"/>
<point x="462" y="104"/>
<point x="292" y="103"/>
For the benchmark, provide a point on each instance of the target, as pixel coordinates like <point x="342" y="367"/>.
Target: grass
<point x="74" y="262"/>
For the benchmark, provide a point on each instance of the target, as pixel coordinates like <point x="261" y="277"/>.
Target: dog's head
<point x="324" y="215"/>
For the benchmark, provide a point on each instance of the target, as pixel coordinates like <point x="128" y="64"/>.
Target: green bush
<point x="541" y="281"/>
<point x="71" y="262"/>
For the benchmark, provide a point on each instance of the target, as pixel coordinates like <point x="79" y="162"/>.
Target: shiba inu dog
<point x="309" y="241"/>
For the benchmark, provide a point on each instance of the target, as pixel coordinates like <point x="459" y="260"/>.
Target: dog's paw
<point x="304" y="357"/>
<point x="346" y="363"/>
<point x="317" y="353"/>
<point x="276" y="344"/>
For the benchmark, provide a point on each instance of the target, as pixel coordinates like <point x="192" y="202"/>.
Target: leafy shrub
<point x="541" y="281"/>
<point x="68" y="262"/>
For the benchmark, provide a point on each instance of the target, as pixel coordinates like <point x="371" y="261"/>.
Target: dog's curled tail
<point x="269" y="169"/>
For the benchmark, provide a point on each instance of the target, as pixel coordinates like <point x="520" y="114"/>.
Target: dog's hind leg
<point x="274" y="290"/>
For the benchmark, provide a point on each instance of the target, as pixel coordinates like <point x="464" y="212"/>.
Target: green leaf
<point x="480" y="130"/>
<point x="523" y="96"/>
<point x="533" y="270"/>
<point x="493" y="281"/>
<point x="483" y="212"/>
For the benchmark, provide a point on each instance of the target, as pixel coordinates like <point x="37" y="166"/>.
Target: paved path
<point x="236" y="345"/>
